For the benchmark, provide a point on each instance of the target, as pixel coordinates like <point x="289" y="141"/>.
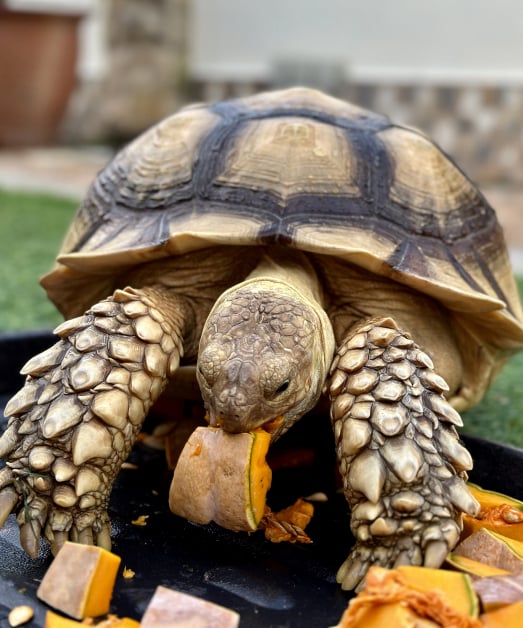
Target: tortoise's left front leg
<point x="403" y="467"/>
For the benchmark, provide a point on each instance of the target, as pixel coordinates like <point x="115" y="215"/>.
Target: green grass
<point x="31" y="229"/>
<point x="499" y="416"/>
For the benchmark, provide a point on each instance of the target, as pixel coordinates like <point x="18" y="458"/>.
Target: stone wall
<point x="146" y="78"/>
<point x="145" y="75"/>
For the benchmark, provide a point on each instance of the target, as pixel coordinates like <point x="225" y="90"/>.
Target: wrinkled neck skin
<point x="266" y="348"/>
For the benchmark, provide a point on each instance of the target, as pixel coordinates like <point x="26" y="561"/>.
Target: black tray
<point x="268" y="585"/>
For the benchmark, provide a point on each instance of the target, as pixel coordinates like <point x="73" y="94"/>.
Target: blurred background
<point x="455" y="69"/>
<point x="78" y="78"/>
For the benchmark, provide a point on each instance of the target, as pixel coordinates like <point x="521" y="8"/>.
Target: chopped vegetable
<point x="80" y="580"/>
<point x="493" y="549"/>
<point x="443" y="597"/>
<point x="395" y="615"/>
<point x="499" y="513"/>
<point x="179" y="610"/>
<point x="222" y="477"/>
<point x="499" y="591"/>
<point x="288" y="525"/>
<point x="53" y="620"/>
<point x="506" y="617"/>
<point x="473" y="567"/>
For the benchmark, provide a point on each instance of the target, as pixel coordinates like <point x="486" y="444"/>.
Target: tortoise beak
<point x="234" y="425"/>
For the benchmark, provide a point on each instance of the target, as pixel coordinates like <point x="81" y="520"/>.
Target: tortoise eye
<point x="282" y="388"/>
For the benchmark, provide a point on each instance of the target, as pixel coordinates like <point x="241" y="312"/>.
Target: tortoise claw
<point x="351" y="572"/>
<point x="59" y="538"/>
<point x="103" y="537"/>
<point x="30" y="538"/>
<point x="8" y="501"/>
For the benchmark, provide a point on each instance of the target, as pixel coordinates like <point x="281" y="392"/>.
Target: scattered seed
<point x="20" y="615"/>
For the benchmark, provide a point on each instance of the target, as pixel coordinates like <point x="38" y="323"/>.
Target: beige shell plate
<point x="301" y="169"/>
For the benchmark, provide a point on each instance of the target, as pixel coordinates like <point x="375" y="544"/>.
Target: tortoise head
<point x="265" y="351"/>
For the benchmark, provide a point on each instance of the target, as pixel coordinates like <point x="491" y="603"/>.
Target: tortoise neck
<point x="291" y="268"/>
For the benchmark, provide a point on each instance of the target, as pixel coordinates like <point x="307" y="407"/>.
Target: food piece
<point x="175" y="609"/>
<point x="473" y="567"/>
<point x="498" y="591"/>
<point x="141" y="520"/>
<point x="455" y="588"/>
<point x="506" y="617"/>
<point x="444" y="597"/>
<point x="222" y="477"/>
<point x="288" y="525"/>
<point x="499" y="513"/>
<point x="396" y="614"/>
<point x="112" y="621"/>
<point x="493" y="549"/>
<point x="80" y="580"/>
<point x="53" y="620"/>
<point x="20" y="615"/>
<point x="487" y="498"/>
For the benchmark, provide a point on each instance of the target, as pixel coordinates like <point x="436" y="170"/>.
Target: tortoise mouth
<point x="272" y="426"/>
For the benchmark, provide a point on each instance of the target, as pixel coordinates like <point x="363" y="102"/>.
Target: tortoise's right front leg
<point x="77" y="416"/>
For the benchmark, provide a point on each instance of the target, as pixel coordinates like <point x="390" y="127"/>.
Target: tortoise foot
<point x="403" y="467"/>
<point x="413" y="543"/>
<point x="53" y="510"/>
<point x="75" y="420"/>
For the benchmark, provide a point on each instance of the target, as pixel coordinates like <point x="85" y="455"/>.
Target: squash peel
<point x="288" y="525"/>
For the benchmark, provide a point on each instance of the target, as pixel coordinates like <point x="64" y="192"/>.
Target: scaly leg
<point x="402" y="464"/>
<point x="77" y="416"/>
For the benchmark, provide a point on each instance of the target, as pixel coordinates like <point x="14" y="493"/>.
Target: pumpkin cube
<point x="80" y="580"/>
<point x="172" y="608"/>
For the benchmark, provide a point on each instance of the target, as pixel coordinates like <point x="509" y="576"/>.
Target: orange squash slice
<point x="222" y="477"/>
<point x="499" y="513"/>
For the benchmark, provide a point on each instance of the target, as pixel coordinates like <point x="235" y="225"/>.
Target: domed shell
<point x="299" y="168"/>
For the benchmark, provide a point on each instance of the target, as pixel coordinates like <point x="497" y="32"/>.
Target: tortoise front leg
<point x="75" y="420"/>
<point x="403" y="467"/>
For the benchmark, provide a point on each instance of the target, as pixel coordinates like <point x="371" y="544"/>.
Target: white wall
<point x="395" y="40"/>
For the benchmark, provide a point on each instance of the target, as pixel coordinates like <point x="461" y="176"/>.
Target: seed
<point x="20" y="615"/>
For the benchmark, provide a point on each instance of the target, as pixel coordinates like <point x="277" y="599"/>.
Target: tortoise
<point x="292" y="246"/>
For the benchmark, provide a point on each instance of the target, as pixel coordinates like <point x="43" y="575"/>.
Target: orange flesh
<point x="506" y="617"/>
<point x="444" y="597"/>
<point x="499" y="513"/>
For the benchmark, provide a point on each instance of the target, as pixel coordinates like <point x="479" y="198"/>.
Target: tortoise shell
<point x="299" y="168"/>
